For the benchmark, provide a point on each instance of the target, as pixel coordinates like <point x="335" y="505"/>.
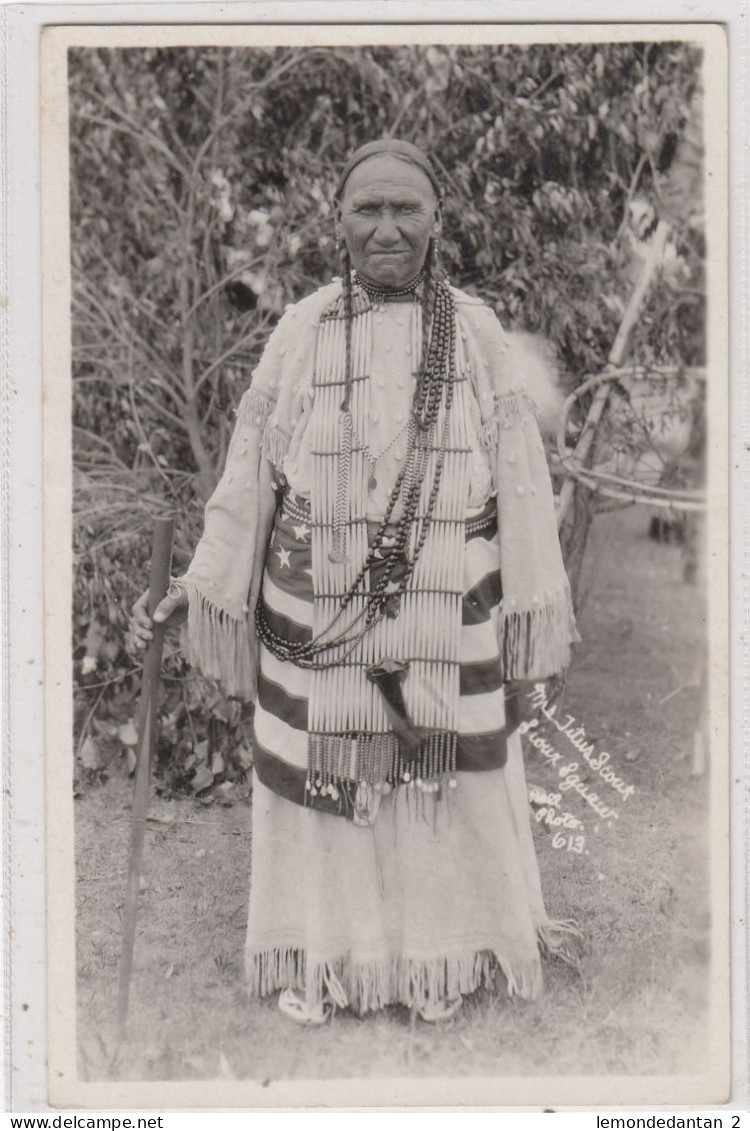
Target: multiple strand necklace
<point x="377" y="295"/>
<point x="390" y="545"/>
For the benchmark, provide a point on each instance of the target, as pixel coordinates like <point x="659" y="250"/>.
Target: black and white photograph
<point x="386" y="401"/>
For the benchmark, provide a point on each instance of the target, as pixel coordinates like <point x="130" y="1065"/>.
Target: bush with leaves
<point x="201" y="203"/>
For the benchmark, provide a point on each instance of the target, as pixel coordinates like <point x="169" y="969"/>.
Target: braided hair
<point x="432" y="279"/>
<point x="348" y="301"/>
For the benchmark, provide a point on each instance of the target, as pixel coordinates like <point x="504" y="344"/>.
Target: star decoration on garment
<point x="308" y="572"/>
<point x="392" y="587"/>
<point x="301" y="532"/>
<point x="283" y="556"/>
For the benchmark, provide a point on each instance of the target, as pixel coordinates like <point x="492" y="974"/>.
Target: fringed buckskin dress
<point x="397" y="873"/>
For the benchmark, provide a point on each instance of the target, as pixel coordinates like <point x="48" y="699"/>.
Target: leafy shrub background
<point x="201" y="187"/>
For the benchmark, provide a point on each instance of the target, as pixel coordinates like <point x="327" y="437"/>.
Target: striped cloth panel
<point x="281" y="712"/>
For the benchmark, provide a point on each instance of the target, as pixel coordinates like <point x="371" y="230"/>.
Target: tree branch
<point x="234" y="348"/>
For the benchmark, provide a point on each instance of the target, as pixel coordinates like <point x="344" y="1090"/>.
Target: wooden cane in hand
<point x="161" y="562"/>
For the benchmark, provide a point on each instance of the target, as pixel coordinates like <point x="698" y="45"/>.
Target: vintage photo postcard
<point x="386" y="425"/>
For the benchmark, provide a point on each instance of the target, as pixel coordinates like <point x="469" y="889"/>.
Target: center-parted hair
<point x="389" y="147"/>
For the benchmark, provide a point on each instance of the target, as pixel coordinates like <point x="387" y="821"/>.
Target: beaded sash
<point x="353" y="743"/>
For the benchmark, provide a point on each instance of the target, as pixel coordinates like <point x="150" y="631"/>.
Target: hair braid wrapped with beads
<point x="348" y="300"/>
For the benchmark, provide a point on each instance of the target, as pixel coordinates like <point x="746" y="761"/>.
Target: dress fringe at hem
<point x="398" y="980"/>
<point x="561" y="940"/>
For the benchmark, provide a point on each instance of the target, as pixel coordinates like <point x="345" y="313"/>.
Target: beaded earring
<point x="435" y="241"/>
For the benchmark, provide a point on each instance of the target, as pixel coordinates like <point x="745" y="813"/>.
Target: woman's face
<point x="387" y="213"/>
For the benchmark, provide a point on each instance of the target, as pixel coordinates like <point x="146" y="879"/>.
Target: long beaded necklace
<point x="435" y="385"/>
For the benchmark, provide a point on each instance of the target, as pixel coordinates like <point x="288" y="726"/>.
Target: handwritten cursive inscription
<point x="570" y="779"/>
<point x="576" y="735"/>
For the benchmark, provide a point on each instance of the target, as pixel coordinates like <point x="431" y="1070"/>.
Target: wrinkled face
<point x="387" y="214"/>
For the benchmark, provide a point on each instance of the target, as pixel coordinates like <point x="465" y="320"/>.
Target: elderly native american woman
<point x="380" y="560"/>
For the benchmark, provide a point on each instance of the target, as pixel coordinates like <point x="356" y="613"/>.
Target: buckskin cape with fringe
<point x="536" y="624"/>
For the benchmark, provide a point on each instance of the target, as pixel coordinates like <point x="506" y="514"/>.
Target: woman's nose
<point x="386" y="231"/>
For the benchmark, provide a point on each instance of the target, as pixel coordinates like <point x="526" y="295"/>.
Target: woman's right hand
<point x="171" y="609"/>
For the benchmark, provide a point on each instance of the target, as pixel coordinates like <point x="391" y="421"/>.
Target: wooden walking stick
<point x="161" y="562"/>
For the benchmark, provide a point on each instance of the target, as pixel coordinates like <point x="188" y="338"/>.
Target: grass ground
<point x="634" y="1005"/>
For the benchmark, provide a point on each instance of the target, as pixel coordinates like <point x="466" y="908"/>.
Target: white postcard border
<point x="26" y="524"/>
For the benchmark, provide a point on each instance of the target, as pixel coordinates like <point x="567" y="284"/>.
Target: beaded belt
<point x="486" y="518"/>
<point x="295" y="507"/>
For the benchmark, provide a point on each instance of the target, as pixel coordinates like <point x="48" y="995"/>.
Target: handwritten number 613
<point x="569" y="843"/>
